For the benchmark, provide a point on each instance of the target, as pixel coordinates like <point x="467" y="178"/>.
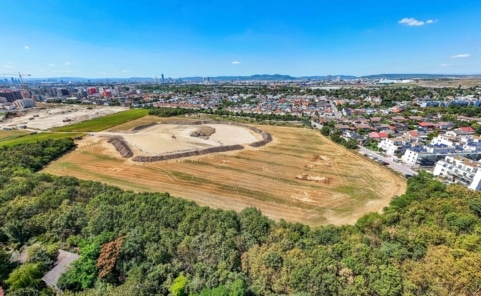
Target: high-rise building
<point x="25" y="103"/>
<point x="162" y="76"/>
<point x="11" y="95"/>
<point x="61" y="92"/>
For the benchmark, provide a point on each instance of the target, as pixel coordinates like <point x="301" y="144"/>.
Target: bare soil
<point x="47" y="117"/>
<point x="337" y="186"/>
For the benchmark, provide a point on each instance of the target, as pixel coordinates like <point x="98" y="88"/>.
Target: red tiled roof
<point x="467" y="129"/>
<point x="373" y="135"/>
<point x="383" y="135"/>
<point x="427" y="124"/>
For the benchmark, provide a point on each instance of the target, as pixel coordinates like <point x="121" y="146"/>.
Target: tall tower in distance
<point x="162" y="78"/>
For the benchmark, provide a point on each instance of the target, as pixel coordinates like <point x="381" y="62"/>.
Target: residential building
<point x="461" y="170"/>
<point x="394" y="146"/>
<point x="24" y="103"/>
<point x="11" y="95"/>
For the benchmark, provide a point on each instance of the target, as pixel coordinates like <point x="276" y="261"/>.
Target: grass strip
<point x="105" y="122"/>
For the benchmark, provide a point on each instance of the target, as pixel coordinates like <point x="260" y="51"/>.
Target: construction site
<point x="296" y="174"/>
<point x="46" y="116"/>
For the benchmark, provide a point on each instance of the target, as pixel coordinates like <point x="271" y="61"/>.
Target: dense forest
<point x="427" y="241"/>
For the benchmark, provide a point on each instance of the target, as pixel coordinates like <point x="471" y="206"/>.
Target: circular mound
<point x="165" y="141"/>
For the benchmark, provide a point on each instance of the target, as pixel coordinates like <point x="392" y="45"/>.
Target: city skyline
<point x="215" y="38"/>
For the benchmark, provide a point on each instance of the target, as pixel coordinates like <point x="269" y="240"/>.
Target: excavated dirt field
<point x="300" y="176"/>
<point x="46" y="117"/>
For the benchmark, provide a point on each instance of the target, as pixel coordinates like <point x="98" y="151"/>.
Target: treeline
<point x="336" y="136"/>
<point x="169" y="112"/>
<point x="427" y="242"/>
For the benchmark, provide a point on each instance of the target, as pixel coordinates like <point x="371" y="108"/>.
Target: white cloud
<point x="461" y="56"/>
<point x="67" y="63"/>
<point x="236" y="63"/>
<point x="412" y="22"/>
<point x="27" y="47"/>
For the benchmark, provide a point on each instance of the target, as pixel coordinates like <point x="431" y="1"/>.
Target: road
<point x="334" y="109"/>
<point x="405" y="170"/>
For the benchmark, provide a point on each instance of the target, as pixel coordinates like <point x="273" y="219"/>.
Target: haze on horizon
<point x="146" y="38"/>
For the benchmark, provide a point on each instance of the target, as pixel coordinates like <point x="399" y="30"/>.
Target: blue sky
<point x="144" y="38"/>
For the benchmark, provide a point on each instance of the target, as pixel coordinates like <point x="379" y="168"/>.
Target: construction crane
<point x="20" y="75"/>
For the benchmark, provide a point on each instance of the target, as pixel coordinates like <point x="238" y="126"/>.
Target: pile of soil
<point x="203" y="132"/>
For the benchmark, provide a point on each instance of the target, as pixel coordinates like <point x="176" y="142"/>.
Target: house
<point x="383" y="127"/>
<point x="463" y="131"/>
<point x="427" y="125"/>
<point x="398" y="118"/>
<point x="346" y="112"/>
<point x="415" y="118"/>
<point x="362" y="126"/>
<point x="63" y="263"/>
<point x="360" y="121"/>
<point x="469" y="130"/>
<point x="445" y="125"/>
<point x="377" y="136"/>
<point x="348" y="134"/>
<point x="400" y="127"/>
<point x="342" y="127"/>
<point x="397" y="109"/>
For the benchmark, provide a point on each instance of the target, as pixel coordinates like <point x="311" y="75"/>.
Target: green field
<point x="105" y="122"/>
<point x="13" y="134"/>
<point x="36" y="137"/>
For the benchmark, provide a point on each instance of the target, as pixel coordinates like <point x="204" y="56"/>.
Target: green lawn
<point x="37" y="137"/>
<point x="105" y="122"/>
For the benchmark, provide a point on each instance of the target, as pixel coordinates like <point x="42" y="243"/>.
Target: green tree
<point x="178" y="286"/>
<point x="325" y="130"/>
<point x="27" y="275"/>
<point x="5" y="266"/>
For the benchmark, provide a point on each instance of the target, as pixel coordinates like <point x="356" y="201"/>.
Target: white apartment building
<point x="410" y="157"/>
<point x="25" y="103"/>
<point x="392" y="146"/>
<point x="448" y="140"/>
<point x="461" y="170"/>
<point x="397" y="145"/>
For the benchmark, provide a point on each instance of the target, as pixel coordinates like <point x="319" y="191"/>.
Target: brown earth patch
<point x="262" y="177"/>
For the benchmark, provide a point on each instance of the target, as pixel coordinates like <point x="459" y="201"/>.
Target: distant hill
<point x="416" y="76"/>
<point x="259" y="77"/>
<point x="268" y="77"/>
